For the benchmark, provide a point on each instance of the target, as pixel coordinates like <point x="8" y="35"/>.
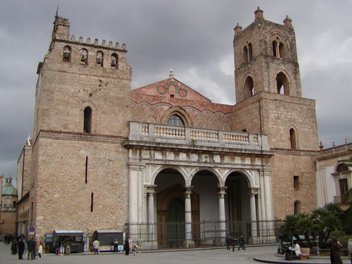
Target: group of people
<point x="32" y="247"/>
<point x="128" y="246"/>
<point x="230" y="242"/>
<point x="335" y="251"/>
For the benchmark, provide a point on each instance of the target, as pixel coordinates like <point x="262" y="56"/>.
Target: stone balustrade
<point x="197" y="137"/>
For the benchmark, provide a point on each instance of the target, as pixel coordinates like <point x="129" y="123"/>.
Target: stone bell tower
<point x="81" y="119"/>
<point x="266" y="59"/>
<point x="269" y="101"/>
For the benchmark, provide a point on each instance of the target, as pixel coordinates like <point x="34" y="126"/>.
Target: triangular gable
<point x="170" y="88"/>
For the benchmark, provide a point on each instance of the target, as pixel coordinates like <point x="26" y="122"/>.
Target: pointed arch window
<point x="114" y="60"/>
<point x="281" y="50"/>
<point x="175" y="120"/>
<point x="293" y="139"/>
<point x="100" y="58"/>
<point x="87" y="120"/>
<point x="250" y="52"/>
<point x="248" y="87"/>
<point x="282" y="84"/>
<point x="66" y="56"/>
<point x="247" y="53"/>
<point x="275" y="51"/>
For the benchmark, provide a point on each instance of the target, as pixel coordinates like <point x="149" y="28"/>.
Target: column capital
<point x="253" y="191"/>
<point x="150" y="188"/>
<point x="188" y="190"/>
<point x="222" y="190"/>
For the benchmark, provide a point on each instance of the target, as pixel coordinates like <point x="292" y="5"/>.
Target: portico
<point x="191" y="186"/>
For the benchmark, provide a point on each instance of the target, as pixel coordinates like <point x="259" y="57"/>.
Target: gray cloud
<point x="192" y="37"/>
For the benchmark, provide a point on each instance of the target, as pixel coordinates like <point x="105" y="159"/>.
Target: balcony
<point x="197" y="138"/>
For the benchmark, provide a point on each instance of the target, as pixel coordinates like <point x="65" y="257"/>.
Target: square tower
<point x="269" y="101"/>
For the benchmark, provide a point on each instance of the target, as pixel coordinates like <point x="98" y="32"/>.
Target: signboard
<point x="31" y="230"/>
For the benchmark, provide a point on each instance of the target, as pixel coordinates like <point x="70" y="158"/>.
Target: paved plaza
<point x="264" y="254"/>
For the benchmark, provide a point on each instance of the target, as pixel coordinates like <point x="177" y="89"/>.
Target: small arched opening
<point x="114" y="60"/>
<point x="87" y="120"/>
<point x="275" y="49"/>
<point x="176" y="120"/>
<point x="66" y="56"/>
<point x="248" y="87"/>
<point x="281" y="50"/>
<point x="245" y="54"/>
<point x="293" y="138"/>
<point x="282" y="84"/>
<point x="84" y="56"/>
<point x="297" y="207"/>
<point x="100" y="58"/>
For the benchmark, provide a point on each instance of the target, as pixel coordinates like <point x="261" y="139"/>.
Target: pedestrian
<point x="335" y="252"/>
<point x="40" y="250"/>
<point x="96" y="245"/>
<point x="30" y="248"/>
<point x="241" y="243"/>
<point x="127" y="247"/>
<point x="349" y="247"/>
<point x="21" y="246"/>
<point x="14" y="246"/>
<point x="116" y="246"/>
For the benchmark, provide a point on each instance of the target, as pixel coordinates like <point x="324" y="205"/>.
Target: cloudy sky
<point x="192" y="37"/>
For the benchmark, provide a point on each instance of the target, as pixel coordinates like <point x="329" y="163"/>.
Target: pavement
<point x="252" y="254"/>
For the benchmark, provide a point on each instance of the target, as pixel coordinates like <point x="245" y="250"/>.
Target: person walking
<point x="21" y="245"/>
<point x="127" y="247"/>
<point x="40" y="250"/>
<point x="14" y="246"/>
<point x="116" y="246"/>
<point x="30" y="248"/>
<point x="96" y="245"/>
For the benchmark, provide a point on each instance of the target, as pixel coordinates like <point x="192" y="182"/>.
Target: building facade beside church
<point x="163" y="162"/>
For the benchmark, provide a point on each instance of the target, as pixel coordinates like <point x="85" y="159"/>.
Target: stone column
<point x="151" y="212"/>
<point x="277" y="50"/>
<point x="253" y="208"/>
<point x="222" y="217"/>
<point x="188" y="217"/>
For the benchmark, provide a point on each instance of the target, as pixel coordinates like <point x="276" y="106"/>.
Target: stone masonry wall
<point x="64" y="197"/>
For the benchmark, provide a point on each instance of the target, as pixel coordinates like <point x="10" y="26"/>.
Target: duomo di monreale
<point x="163" y="163"/>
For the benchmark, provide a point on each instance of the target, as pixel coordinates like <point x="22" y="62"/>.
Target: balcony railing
<point x="198" y="137"/>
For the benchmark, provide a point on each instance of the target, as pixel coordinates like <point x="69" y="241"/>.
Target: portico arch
<point x="172" y="201"/>
<point x="209" y="217"/>
<point x="238" y="203"/>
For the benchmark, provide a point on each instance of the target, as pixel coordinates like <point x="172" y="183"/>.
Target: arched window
<point x="66" y="54"/>
<point x="175" y="120"/>
<point x="342" y="167"/>
<point x="293" y="139"/>
<point x="245" y="54"/>
<point x="248" y="87"/>
<point x="87" y="120"/>
<point x="282" y="84"/>
<point x="281" y="50"/>
<point x="100" y="58"/>
<point x="84" y="56"/>
<point x="250" y="52"/>
<point x="114" y="60"/>
<point x="275" y="49"/>
<point x="297" y="207"/>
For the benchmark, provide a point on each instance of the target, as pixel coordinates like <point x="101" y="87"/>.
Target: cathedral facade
<point x="163" y="162"/>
